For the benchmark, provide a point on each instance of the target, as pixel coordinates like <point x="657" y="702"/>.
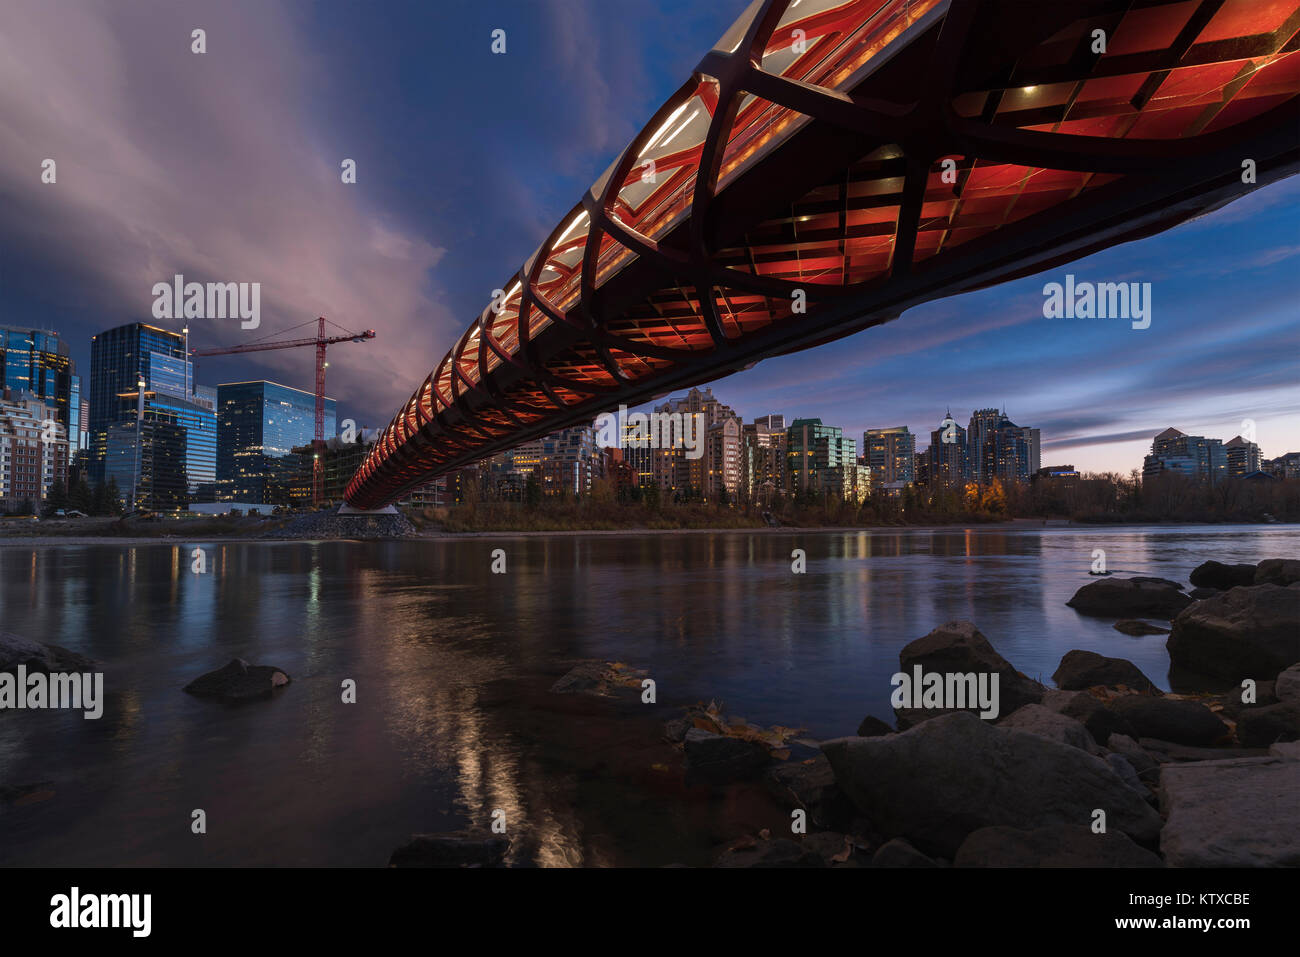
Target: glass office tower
<point x="258" y="426"/>
<point x="118" y="359"/>
<point x="36" y="361"/>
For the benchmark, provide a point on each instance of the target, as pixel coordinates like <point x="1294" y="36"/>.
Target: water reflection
<point x="444" y="730"/>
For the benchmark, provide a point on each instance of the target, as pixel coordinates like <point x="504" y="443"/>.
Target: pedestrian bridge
<point x="831" y="163"/>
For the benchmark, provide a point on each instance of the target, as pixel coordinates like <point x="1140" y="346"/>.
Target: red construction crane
<point x="320" y="341"/>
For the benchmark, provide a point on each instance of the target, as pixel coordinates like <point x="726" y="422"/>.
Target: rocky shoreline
<point x="1104" y="770"/>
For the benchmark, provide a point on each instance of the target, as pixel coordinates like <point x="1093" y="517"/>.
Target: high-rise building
<point x="982" y="423"/>
<point x="891" y="454"/>
<point x="146" y="458"/>
<point x="812" y="449"/>
<point x="762" y="460"/>
<point x="119" y="358"/>
<point x="998" y="448"/>
<point x="1243" y="457"/>
<point x="948" y="458"/>
<point x="258" y="426"/>
<point x="570" y="461"/>
<point x="33" y="450"/>
<point x="1284" y="466"/>
<point x="1191" y="456"/>
<point x="722" y="460"/>
<point x="773" y="422"/>
<point x="36" y="361"/>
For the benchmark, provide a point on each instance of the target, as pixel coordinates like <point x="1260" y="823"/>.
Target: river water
<point x="429" y="634"/>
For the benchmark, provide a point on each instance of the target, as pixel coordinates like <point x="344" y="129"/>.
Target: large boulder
<point x="1278" y="571"/>
<point x="720" y="759"/>
<point x="1054" y="845"/>
<point x="1234" y="813"/>
<point x="1130" y="598"/>
<point x="1243" y="633"/>
<point x="811" y="787"/>
<point x="1084" y="669"/>
<point x="1144" y="764"/>
<point x="37" y="656"/>
<point x="947" y="777"/>
<point x="1261" y="727"/>
<point x="873" y="727"/>
<point x="1221" y="576"/>
<point x="958" y="647"/>
<point x="237" y="681"/>
<point x="777" y="852"/>
<point x="1287" y="687"/>
<point x="1098" y="720"/>
<point x="1170" y="719"/>
<point x="899" y="853"/>
<point x="1046" y="723"/>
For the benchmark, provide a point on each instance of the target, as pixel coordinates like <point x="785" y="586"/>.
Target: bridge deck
<point x="830" y="164"/>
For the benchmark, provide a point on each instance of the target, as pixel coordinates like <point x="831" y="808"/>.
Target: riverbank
<point x="185" y="532"/>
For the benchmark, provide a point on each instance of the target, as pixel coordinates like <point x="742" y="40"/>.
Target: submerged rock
<point x="1243" y="633"/>
<point x="1130" y="598"/>
<point x="1054" y="845"/>
<point x="37" y="656"/>
<point x="238" y="680"/>
<point x="454" y="849"/>
<point x="1136" y="629"/>
<point x="947" y="777"/>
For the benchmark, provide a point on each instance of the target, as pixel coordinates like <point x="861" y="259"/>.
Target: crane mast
<point x="321" y="342"/>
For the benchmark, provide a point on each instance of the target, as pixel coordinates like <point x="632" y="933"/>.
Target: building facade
<point x="33" y="451"/>
<point x="119" y="359"/>
<point x="36" y="361"/>
<point x="891" y="454"/>
<point x="812" y="450"/>
<point x="1193" y="457"/>
<point x="259" y="424"/>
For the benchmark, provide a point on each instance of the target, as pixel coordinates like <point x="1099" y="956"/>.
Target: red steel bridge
<point x="831" y="163"/>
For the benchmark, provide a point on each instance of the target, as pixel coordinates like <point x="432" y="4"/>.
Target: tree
<point x="80" y="496"/>
<point x="651" y="496"/>
<point x="56" y="497"/>
<point x="533" y="491"/>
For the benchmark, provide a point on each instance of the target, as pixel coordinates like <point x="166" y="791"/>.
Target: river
<point x="429" y="633"/>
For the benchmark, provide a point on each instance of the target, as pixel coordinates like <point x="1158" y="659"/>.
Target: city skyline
<point x="419" y="242"/>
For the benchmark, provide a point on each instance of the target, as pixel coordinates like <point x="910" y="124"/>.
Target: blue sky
<point x="224" y="166"/>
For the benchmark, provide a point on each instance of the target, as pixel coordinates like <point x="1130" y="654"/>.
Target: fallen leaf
<point x="844" y="855"/>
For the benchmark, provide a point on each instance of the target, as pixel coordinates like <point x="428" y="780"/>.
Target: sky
<point x="225" y="166"/>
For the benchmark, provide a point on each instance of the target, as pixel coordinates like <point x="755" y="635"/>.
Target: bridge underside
<point x="830" y="164"/>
